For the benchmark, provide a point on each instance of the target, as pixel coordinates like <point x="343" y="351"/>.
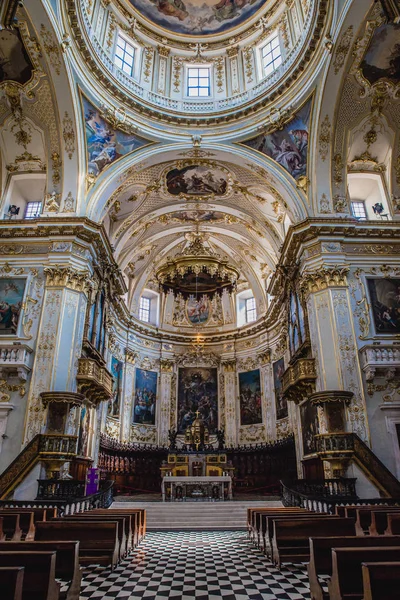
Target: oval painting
<point x="198" y="311"/>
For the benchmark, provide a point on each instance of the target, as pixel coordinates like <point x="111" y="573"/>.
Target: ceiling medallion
<point x="197" y="271"/>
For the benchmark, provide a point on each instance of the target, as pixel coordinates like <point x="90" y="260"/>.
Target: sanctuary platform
<point x="187" y="516"/>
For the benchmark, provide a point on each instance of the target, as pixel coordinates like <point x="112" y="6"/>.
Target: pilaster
<point x="231" y="425"/>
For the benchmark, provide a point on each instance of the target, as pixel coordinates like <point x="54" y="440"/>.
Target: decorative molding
<point x="324" y="138"/>
<point x="342" y="49"/>
<point x="68" y="135"/>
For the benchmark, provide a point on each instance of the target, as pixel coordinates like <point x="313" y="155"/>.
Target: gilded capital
<point x="323" y="278"/>
<point x="166" y="366"/>
<point x="130" y="356"/>
<point x="229" y="366"/>
<point x="78" y="281"/>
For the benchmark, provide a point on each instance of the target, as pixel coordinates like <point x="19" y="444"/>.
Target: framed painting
<point x="385" y="304"/>
<point x="197" y="391"/>
<point x="11" y="298"/>
<point x="309" y="426"/>
<point x="382" y="58"/>
<point x="115" y="402"/>
<point x="144" y="410"/>
<point x="15" y="64"/>
<point x="198" y="311"/>
<point x="278" y="369"/>
<point x="197" y="180"/>
<point x="250" y="397"/>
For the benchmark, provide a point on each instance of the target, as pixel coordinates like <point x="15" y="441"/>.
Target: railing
<point x="16" y="359"/>
<point x="41" y="447"/>
<point x="349" y="445"/>
<point x="60" y="489"/>
<point x="102" y="499"/>
<point x="303" y="495"/>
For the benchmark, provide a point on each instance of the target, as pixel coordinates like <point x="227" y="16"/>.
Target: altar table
<point x="196" y="488"/>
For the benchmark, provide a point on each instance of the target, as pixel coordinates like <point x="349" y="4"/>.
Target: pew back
<point x="381" y="580"/>
<point x="39" y="573"/>
<point x="11" y="581"/>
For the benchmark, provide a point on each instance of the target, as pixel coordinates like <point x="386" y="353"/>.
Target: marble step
<point x="196" y="515"/>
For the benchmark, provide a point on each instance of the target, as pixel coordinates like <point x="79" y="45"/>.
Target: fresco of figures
<point x="197" y="181"/>
<point x="309" y="426"/>
<point x="278" y="369"/>
<point x="198" y="311"/>
<point x="197" y="391"/>
<point x="11" y="297"/>
<point x="144" y="410"/>
<point x="250" y="397"/>
<point x="385" y="303"/>
<point x="115" y="402"/>
<point x="288" y="146"/>
<point x="195" y="17"/>
<point x="15" y="64"/>
<point x="382" y="59"/>
<point x="104" y="143"/>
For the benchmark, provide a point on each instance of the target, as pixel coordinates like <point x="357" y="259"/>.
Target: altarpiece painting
<point x="11" y="296"/>
<point x="278" y="369"/>
<point x="385" y="303"/>
<point x="115" y="402"/>
<point x="250" y="397"/>
<point x="144" y="410"/>
<point x="197" y="391"/>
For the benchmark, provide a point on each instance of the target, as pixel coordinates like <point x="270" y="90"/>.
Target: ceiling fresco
<point x="198" y="17"/>
<point x="382" y="59"/>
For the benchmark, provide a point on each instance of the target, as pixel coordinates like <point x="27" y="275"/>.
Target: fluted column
<point x="231" y="423"/>
<point x="164" y="413"/>
<point x="128" y="395"/>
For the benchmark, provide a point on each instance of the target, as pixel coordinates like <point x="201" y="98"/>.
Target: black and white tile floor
<point x="197" y="564"/>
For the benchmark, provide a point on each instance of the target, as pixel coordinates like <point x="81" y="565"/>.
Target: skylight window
<point x="124" y="56"/>
<point x="271" y="56"/>
<point x="198" y="82"/>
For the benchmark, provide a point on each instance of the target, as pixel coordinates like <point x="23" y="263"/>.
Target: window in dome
<point x="144" y="309"/>
<point x="198" y="82"/>
<point x="124" y="56"/>
<point x="251" y="313"/>
<point x="358" y="210"/>
<point x="271" y="56"/>
<point x="32" y="210"/>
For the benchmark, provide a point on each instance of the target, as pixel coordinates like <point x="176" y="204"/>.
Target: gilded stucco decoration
<point x="324" y="138"/>
<point x="51" y="48"/>
<point x="68" y="135"/>
<point x="342" y="49"/>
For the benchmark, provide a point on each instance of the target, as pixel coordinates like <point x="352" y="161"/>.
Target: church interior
<point x="200" y="299"/>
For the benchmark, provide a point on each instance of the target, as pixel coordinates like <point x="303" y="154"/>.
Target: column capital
<point x="68" y="277"/>
<point x="323" y="278"/>
<point x="229" y="366"/>
<point x="166" y="365"/>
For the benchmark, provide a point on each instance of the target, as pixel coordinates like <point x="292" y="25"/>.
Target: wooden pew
<point x="87" y="517"/>
<point x="364" y="517"/>
<point x="393" y="527"/>
<point x="39" y="514"/>
<point x="253" y="512"/>
<point x="11" y="581"/>
<point x="133" y="522"/>
<point x="11" y="528"/>
<point x="26" y="523"/>
<point x="2" y="534"/>
<point x="67" y="562"/>
<point x="266" y="520"/>
<point x="381" y="580"/>
<point x="379" y="521"/>
<point x="290" y="541"/>
<point x="256" y="519"/>
<point x="321" y="556"/>
<point x="270" y="528"/>
<point x="39" y="581"/>
<point x="98" y="542"/>
<point x="346" y="582"/>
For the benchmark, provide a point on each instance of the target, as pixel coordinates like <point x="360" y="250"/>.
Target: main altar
<point x="196" y="471"/>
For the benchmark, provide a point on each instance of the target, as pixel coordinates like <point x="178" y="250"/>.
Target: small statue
<point x="220" y="438"/>
<point x="172" y="435"/>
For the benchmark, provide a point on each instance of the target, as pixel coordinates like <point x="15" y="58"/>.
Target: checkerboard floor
<point x="196" y="564"/>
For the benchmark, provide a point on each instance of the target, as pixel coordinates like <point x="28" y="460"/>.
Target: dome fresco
<point x="197" y="17"/>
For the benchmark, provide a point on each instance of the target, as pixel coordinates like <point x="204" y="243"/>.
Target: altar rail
<point x="324" y="496"/>
<point x="256" y="467"/>
<point x="102" y="499"/>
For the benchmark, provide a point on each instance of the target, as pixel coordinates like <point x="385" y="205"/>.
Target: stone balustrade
<point x="15" y="359"/>
<point x="381" y="360"/>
